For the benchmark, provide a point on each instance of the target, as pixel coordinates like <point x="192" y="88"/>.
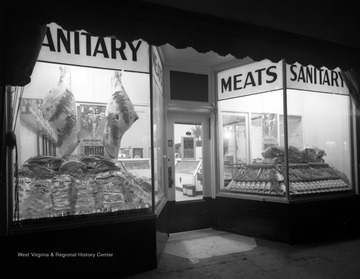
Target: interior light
<point x="227" y="135"/>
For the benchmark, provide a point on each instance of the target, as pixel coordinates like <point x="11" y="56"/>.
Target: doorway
<point x="188" y="155"/>
<point x="189" y="170"/>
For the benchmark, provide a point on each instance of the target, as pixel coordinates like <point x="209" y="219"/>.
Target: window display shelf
<point x="308" y="174"/>
<point x="52" y="187"/>
<point x="305" y="179"/>
<point x="316" y="178"/>
<point x="257" y="179"/>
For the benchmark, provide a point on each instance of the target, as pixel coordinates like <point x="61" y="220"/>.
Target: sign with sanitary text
<point x="314" y="79"/>
<point x="83" y="49"/>
<point x="267" y="76"/>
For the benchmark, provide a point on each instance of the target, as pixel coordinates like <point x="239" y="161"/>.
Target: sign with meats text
<point x="265" y="76"/>
<point x="250" y="79"/>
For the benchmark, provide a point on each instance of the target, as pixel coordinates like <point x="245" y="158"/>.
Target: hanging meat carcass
<point x="119" y="117"/>
<point x="59" y="110"/>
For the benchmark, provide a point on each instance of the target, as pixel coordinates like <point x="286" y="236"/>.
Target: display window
<point x="158" y="126"/>
<point x="87" y="108"/>
<point x="285" y="131"/>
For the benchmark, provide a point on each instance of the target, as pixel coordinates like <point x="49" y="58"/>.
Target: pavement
<point x="216" y="254"/>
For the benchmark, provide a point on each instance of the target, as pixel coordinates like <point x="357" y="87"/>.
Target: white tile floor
<point x="179" y="196"/>
<point x="207" y="243"/>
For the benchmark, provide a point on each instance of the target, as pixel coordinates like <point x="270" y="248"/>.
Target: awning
<point x="24" y="26"/>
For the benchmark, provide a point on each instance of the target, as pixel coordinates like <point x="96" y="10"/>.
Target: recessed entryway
<point x="201" y="244"/>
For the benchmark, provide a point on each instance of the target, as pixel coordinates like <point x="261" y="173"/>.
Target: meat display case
<point x="89" y="101"/>
<point x="305" y="179"/>
<point x="71" y="123"/>
<point x="286" y="132"/>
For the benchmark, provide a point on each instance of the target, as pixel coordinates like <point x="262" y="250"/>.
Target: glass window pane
<point x="158" y="126"/>
<point x="158" y="132"/>
<point x="251" y="131"/>
<point x="74" y="125"/>
<point x="319" y="134"/>
<point x="319" y="144"/>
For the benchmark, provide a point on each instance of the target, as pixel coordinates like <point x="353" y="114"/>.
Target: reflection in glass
<point x="158" y="134"/>
<point x="235" y="142"/>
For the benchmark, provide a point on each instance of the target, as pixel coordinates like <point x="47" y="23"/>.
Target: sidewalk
<point x="215" y="254"/>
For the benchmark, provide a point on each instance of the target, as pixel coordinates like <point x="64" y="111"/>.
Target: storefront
<point x="88" y="155"/>
<point x="287" y="143"/>
<point x="91" y="154"/>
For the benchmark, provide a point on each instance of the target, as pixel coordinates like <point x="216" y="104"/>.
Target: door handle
<point x="171" y="181"/>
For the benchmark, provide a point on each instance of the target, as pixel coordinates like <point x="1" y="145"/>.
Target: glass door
<point x="188" y="138"/>
<point x="188" y="156"/>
